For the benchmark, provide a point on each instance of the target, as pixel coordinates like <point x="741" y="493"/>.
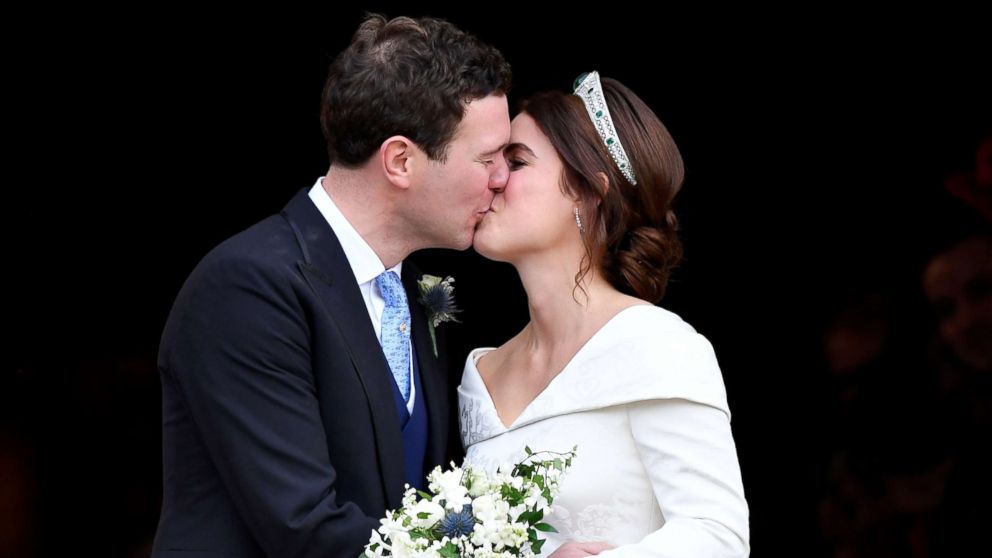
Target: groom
<point x="300" y="386"/>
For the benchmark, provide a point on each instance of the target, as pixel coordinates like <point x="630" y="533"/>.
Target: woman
<point x="586" y="220"/>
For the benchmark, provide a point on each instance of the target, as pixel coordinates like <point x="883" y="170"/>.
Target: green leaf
<point x="423" y="515"/>
<point x="544" y="527"/>
<point x="449" y="550"/>
<point x="421" y="533"/>
<point x="528" y="450"/>
<point x="511" y="495"/>
<point x="424" y="495"/>
<point x="531" y="516"/>
<point x="536" y="546"/>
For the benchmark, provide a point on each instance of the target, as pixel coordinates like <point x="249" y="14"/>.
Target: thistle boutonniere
<point x="437" y="297"/>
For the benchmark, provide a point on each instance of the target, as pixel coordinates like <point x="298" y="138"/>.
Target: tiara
<point x="590" y="90"/>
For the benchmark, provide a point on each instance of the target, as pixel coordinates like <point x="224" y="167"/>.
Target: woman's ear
<point x="604" y="183"/>
<point x="396" y="155"/>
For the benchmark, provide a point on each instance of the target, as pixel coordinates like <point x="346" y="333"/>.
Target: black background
<point x="816" y="146"/>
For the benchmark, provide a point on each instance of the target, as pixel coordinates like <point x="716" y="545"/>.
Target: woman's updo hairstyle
<point x="630" y="231"/>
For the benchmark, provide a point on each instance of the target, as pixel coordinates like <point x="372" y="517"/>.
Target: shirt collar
<point x="365" y="264"/>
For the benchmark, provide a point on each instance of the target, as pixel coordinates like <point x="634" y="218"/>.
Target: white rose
<point x="402" y="546"/>
<point x="479" y="481"/>
<point x="434" y="513"/>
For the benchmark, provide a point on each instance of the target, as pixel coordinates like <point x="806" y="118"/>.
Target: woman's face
<point x="958" y="283"/>
<point x="531" y="214"/>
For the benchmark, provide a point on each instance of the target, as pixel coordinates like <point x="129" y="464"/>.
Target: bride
<point x="586" y="220"/>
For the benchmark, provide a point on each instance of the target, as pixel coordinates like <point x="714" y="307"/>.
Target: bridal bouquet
<point x="470" y="514"/>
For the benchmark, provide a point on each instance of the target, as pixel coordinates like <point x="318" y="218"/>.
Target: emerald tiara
<point x="590" y="90"/>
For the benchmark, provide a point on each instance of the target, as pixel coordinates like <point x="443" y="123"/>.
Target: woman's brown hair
<point x="630" y="231"/>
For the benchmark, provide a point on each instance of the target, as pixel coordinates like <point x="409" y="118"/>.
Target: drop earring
<point x="578" y="221"/>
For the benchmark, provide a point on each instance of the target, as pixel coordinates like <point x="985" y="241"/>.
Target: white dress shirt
<point x="365" y="264"/>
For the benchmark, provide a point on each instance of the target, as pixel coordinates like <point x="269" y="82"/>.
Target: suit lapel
<point x="328" y="272"/>
<point x="432" y="371"/>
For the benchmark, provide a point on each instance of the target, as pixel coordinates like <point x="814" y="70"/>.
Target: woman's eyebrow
<point x="519" y="146"/>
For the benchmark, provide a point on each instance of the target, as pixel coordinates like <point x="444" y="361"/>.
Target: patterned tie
<point x="395" y="331"/>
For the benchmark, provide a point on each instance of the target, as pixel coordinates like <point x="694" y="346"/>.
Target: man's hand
<point x="580" y="549"/>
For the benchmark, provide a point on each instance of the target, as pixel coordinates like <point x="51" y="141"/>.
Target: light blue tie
<point x="395" y="331"/>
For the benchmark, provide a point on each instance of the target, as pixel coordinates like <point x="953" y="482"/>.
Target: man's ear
<point x="398" y="157"/>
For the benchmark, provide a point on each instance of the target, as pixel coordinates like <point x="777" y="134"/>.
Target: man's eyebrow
<point x="495" y="151"/>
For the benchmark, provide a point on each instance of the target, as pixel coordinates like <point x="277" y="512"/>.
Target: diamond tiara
<point x="590" y="90"/>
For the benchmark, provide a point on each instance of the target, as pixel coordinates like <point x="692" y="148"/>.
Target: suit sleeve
<point x="237" y="347"/>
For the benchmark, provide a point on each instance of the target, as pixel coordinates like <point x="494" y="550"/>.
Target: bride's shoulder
<point x="653" y="353"/>
<point x="476" y="355"/>
<point x="648" y="320"/>
<point x="655" y="335"/>
<point x="492" y="356"/>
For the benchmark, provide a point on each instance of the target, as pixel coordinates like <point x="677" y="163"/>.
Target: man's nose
<point x="499" y="177"/>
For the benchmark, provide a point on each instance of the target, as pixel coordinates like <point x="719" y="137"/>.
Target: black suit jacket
<point x="280" y="431"/>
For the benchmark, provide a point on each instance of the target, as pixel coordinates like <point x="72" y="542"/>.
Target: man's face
<point x="455" y="195"/>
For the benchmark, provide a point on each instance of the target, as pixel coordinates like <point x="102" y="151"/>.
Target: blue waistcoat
<point x="414" y="429"/>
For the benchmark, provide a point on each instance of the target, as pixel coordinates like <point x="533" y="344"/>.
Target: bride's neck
<point x="560" y="312"/>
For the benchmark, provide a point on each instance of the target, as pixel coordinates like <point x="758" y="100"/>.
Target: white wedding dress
<point x="656" y="471"/>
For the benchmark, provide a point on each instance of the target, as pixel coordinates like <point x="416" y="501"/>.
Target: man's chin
<point x="464" y="242"/>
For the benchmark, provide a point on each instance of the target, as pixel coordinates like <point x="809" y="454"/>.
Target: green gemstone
<point x="599" y="114"/>
<point x="609" y="141"/>
<point x="578" y="81"/>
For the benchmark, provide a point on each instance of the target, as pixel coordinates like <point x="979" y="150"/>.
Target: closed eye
<point x="513" y="152"/>
<point x="493" y="157"/>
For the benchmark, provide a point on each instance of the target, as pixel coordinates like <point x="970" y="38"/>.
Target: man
<point x="301" y="388"/>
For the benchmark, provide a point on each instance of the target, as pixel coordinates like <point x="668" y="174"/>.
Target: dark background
<point x="816" y="148"/>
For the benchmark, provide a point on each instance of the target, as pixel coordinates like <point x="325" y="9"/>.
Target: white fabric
<point x="364" y="262"/>
<point x="656" y="471"/>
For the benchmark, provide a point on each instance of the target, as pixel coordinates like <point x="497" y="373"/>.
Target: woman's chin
<point x="484" y="245"/>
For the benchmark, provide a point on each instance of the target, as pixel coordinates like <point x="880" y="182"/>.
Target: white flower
<point x="388" y="526"/>
<point x="488" y="509"/>
<point x="402" y="546"/>
<point x="486" y="552"/>
<point x="448" y="487"/>
<point x="380" y="545"/>
<point x="429" y="525"/>
<point x="513" y="534"/>
<point x="409" y="497"/>
<point x="432" y="512"/>
<point x="479" y="481"/>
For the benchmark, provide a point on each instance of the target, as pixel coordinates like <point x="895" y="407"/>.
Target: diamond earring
<point x="578" y="221"/>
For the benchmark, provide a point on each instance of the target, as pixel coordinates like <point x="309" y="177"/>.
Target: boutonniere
<point x="437" y="297"/>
